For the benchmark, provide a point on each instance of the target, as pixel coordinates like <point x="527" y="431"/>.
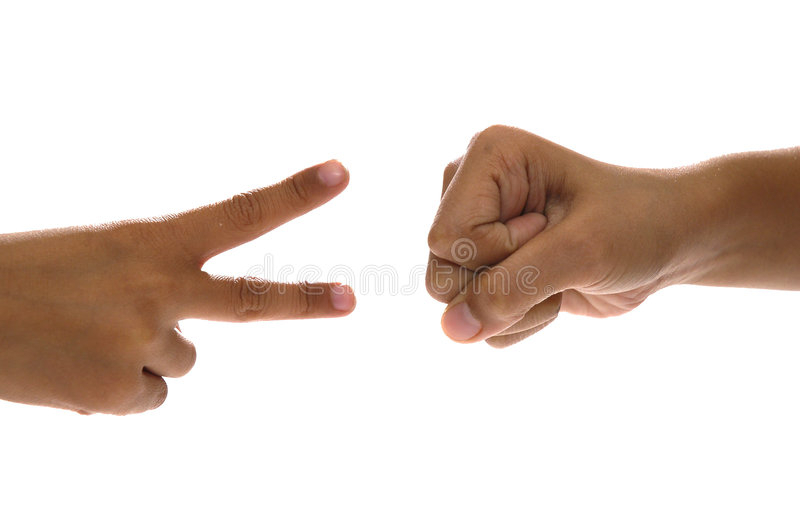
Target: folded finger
<point x="152" y="394"/>
<point x="545" y="311"/>
<point x="175" y="357"/>
<point x="507" y="340"/>
<point x="445" y="279"/>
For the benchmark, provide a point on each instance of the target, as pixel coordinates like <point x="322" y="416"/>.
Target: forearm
<point x="741" y="220"/>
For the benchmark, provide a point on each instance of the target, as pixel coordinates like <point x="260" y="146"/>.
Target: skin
<point x="89" y="315"/>
<point x="527" y="228"/>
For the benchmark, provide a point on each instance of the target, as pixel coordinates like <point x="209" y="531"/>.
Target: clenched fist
<point x="526" y="228"/>
<point x="88" y="315"/>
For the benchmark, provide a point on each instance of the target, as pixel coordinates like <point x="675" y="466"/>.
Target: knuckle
<point x="244" y="210"/>
<point x="440" y="281"/>
<point x="451" y="169"/>
<point x="298" y="189"/>
<point x="439" y="239"/>
<point x="489" y="136"/>
<point x="159" y="396"/>
<point x="438" y="293"/>
<point x="432" y="283"/>
<point x="247" y="301"/>
<point x="186" y="360"/>
<point x="441" y="293"/>
<point x="303" y="304"/>
<point x="191" y="358"/>
<point x="495" y="130"/>
<point x="505" y="164"/>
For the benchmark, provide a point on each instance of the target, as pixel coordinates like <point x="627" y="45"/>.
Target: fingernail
<point x="459" y="323"/>
<point x="342" y="298"/>
<point x="331" y="173"/>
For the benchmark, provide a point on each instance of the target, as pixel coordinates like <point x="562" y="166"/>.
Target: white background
<point x="682" y="415"/>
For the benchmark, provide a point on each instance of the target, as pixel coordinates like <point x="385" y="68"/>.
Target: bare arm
<point x="747" y="224"/>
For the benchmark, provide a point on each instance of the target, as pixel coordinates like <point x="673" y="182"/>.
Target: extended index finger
<point x="212" y="229"/>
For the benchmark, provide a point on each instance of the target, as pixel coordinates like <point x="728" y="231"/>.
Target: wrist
<point x="736" y="221"/>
